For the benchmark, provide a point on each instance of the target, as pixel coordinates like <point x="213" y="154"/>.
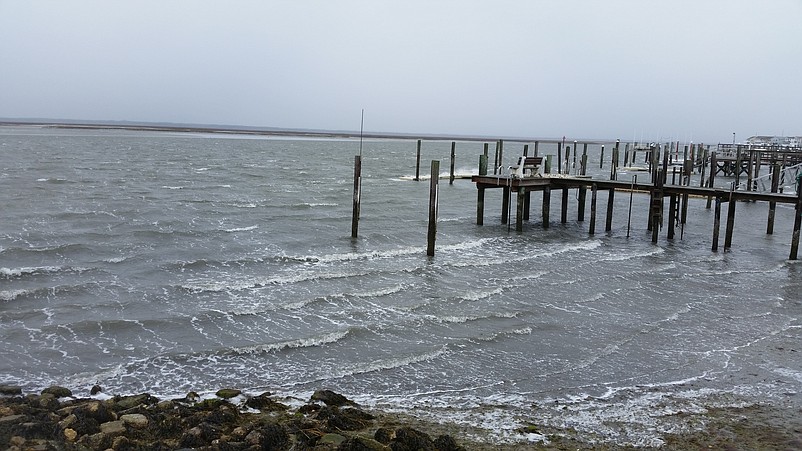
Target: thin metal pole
<point x="631" y="191"/>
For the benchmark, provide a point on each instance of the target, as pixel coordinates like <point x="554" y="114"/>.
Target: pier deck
<point x="677" y="194"/>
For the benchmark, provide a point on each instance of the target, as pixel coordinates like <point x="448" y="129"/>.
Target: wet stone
<point x="228" y="393"/>
<point x="57" y="391"/>
<point x="331" y="398"/>
<point x="10" y="390"/>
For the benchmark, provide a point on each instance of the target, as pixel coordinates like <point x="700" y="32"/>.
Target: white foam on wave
<point x="789" y="373"/>
<point x="457" y="319"/>
<point x="10" y="295"/>
<point x="308" y="342"/>
<point x="28" y="270"/>
<point x="478" y="295"/>
<point x="196" y="286"/>
<point x="242" y="229"/>
<point x="523" y="255"/>
<point x="623" y="257"/>
<point x="172" y="187"/>
<point x="381" y="365"/>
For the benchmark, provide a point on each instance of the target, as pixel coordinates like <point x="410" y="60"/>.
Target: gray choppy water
<point x="176" y="262"/>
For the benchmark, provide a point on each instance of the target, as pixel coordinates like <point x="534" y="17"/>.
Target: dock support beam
<point x="716" y="224"/>
<point x="417" y="164"/>
<point x="672" y="213"/>
<point x="521" y="202"/>
<point x="775" y="184"/>
<point x="433" y="208"/>
<point x="610" y="198"/>
<point x="592" y="228"/>
<point x="797" y="220"/>
<point x="564" y="212"/>
<point x="480" y="205"/>
<point x="357" y="196"/>
<point x="453" y="160"/>
<point x="730" y="223"/>
<point x="546" y="206"/>
<point x="505" y="204"/>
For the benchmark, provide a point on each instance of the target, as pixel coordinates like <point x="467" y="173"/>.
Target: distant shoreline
<point x="257" y="131"/>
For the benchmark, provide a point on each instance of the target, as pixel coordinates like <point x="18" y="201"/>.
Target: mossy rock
<point x="58" y="392"/>
<point x="228" y="393"/>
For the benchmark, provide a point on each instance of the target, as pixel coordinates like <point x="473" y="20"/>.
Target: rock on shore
<point x="55" y="420"/>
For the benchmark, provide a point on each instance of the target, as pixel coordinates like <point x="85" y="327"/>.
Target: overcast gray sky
<point x="696" y="70"/>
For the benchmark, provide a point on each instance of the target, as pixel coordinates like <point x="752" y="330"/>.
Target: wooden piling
<point x="797" y="220"/>
<point x="417" y="163"/>
<point x="500" y="152"/>
<point x="712" y="179"/>
<point x="559" y="157"/>
<point x="716" y="223"/>
<point x="576" y="149"/>
<point x="609" y="220"/>
<point x="580" y="214"/>
<point x="527" y="202"/>
<point x="480" y="206"/>
<point x="546" y="206"/>
<point x="453" y="160"/>
<point x="495" y="159"/>
<point x="482" y="164"/>
<point x="433" y="201"/>
<point x="519" y="210"/>
<point x="505" y="204"/>
<point x="357" y="195"/>
<point x="730" y="223"/>
<point x="775" y="183"/>
<point x="601" y="158"/>
<point x="584" y="159"/>
<point x="672" y="212"/>
<point x="547" y="168"/>
<point x="564" y="212"/>
<point x="593" y="192"/>
<point x="704" y="167"/>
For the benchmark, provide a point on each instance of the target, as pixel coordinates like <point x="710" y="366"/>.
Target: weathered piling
<point x="559" y="157"/>
<point x="357" y="196"/>
<point x="775" y="183"/>
<point x="593" y="192"/>
<point x="417" y="163"/>
<point x="505" y="204"/>
<point x="672" y="212"/>
<point x="576" y="149"/>
<point x="797" y="219"/>
<point x="519" y="209"/>
<point x="609" y="220"/>
<point x="564" y="212"/>
<point x="711" y="181"/>
<point x="433" y="204"/>
<point x="601" y="158"/>
<point x="453" y="160"/>
<point x="547" y="167"/>
<point x="546" y="206"/>
<point x="716" y="223"/>
<point x="730" y="223"/>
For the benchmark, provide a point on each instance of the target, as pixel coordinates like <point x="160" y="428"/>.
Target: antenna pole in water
<point x="361" y="129"/>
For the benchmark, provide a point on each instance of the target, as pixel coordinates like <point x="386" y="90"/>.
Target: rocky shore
<point x="230" y="420"/>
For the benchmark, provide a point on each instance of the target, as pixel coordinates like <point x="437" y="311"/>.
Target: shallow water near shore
<point x="167" y="262"/>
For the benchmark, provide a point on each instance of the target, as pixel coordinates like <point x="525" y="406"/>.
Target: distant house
<point x="784" y="141"/>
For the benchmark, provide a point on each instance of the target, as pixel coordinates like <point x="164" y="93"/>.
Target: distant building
<point x="785" y="141"/>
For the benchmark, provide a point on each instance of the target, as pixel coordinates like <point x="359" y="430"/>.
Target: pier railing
<point x="763" y="184"/>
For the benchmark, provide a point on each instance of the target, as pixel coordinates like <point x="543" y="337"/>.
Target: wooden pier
<point x="677" y="195"/>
